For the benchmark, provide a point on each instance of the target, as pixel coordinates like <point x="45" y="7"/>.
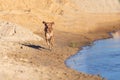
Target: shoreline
<point x="97" y="76"/>
<point x="110" y="36"/>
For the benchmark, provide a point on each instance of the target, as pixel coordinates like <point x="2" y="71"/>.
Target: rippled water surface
<point x="103" y="58"/>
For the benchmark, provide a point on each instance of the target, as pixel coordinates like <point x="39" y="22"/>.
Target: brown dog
<point x="48" y="33"/>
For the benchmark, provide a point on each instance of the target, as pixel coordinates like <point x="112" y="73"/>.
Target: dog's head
<point x="48" y="24"/>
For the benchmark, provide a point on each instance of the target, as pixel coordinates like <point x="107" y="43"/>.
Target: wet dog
<point x="48" y="33"/>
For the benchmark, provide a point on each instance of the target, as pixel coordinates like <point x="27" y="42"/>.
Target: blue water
<point x="102" y="58"/>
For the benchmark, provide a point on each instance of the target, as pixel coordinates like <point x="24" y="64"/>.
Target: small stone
<point x="21" y="47"/>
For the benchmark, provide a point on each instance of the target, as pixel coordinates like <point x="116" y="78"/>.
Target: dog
<point x="48" y="29"/>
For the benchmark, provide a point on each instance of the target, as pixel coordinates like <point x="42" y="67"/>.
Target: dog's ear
<point x="52" y="23"/>
<point x="43" y="22"/>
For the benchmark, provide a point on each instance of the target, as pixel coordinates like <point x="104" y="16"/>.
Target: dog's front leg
<point x="48" y="44"/>
<point x="52" y="41"/>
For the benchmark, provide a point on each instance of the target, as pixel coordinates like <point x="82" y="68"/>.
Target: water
<point x="103" y="58"/>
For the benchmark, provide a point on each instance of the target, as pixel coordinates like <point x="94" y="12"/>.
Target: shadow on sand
<point x="34" y="46"/>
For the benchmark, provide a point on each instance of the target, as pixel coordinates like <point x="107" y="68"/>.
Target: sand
<point x="24" y="54"/>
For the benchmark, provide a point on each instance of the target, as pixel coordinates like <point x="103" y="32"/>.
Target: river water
<point x="102" y="58"/>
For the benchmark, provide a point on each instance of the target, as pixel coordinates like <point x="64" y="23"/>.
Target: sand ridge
<point x="13" y="32"/>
